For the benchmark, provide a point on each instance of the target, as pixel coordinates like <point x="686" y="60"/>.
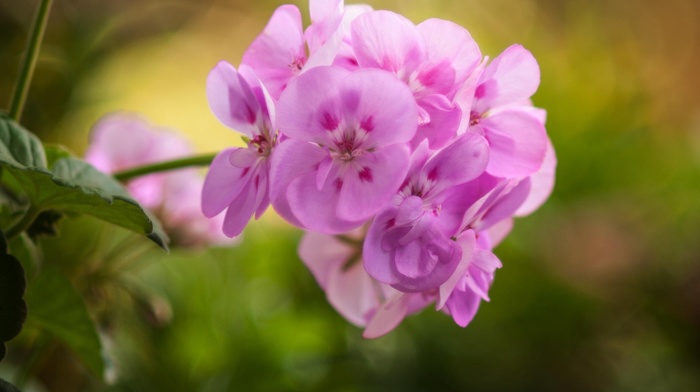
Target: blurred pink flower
<point x="122" y="141"/>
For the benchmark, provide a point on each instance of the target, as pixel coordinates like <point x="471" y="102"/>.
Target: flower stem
<point x="19" y="95"/>
<point x="197" y="160"/>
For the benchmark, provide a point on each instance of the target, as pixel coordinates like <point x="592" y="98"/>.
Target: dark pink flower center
<point x="474" y="118"/>
<point x="297" y="64"/>
<point x="263" y="145"/>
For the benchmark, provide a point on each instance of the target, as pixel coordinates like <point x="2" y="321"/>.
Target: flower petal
<point x="383" y="39"/>
<point x="239" y="212"/>
<point x="511" y="77"/>
<point x="388" y="316"/>
<point x="462" y="306"/>
<point x="517" y="141"/>
<point x="463" y="160"/>
<point x="381" y="105"/>
<point x="445" y="118"/>
<point x="370" y="187"/>
<point x="322" y="254"/>
<point x="321" y="214"/>
<point x="279" y="50"/>
<point x="459" y="51"/>
<point x="223" y="183"/>
<point x="353" y="293"/>
<point x="467" y="241"/>
<point x="290" y="160"/>
<point x="541" y="183"/>
<point x="378" y="261"/>
<point x="309" y="102"/>
<point x="232" y="100"/>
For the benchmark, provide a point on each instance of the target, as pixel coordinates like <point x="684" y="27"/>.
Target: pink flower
<point x="237" y="180"/>
<point x="434" y="59"/>
<point x="501" y="111"/>
<point x="278" y="55"/>
<point x="120" y="141"/>
<point x="409" y="244"/>
<point x="345" y="154"/>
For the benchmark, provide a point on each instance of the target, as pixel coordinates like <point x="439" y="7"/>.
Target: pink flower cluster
<point x="400" y="149"/>
<point x="122" y="141"/>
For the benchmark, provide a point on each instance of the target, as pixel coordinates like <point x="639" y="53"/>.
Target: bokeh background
<point x="600" y="289"/>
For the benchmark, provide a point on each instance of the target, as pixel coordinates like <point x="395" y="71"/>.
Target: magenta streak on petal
<point x="480" y="91"/>
<point x="338" y="184"/>
<point x="365" y="174"/>
<point x="367" y="124"/>
<point x="390" y="223"/>
<point x="329" y="122"/>
<point x="433" y="174"/>
<point x="248" y="113"/>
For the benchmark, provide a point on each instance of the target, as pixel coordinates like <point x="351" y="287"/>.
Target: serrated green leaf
<point x="71" y="185"/>
<point x="56" y="307"/>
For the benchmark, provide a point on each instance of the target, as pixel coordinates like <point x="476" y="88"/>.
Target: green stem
<point x="23" y="223"/>
<point x="198" y="160"/>
<point x="29" y="61"/>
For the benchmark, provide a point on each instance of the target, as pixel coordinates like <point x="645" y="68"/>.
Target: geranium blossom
<point x="346" y="148"/>
<point x="237" y="180"/>
<point x="403" y="153"/>
<point x="409" y="244"/>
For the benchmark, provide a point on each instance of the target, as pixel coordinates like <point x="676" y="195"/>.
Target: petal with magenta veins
<point x="305" y="106"/>
<point x="232" y="100"/>
<point x="381" y="105"/>
<point x="371" y="182"/>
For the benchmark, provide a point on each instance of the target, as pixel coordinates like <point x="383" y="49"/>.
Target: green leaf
<point x="13" y="309"/>
<point x="55" y="152"/>
<point x="19" y="147"/>
<point x="56" y="307"/>
<point x="71" y="185"/>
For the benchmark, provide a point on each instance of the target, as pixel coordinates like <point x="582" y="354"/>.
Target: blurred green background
<point x="600" y="289"/>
